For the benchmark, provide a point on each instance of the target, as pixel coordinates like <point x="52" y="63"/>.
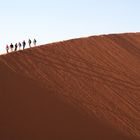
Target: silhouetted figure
<point x="34" y="42"/>
<point x="16" y="47"/>
<point x="19" y="45"/>
<point x="7" y="48"/>
<point x="29" y="41"/>
<point x="24" y="44"/>
<point x="11" y="47"/>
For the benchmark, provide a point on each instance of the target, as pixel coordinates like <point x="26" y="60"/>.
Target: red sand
<point x="81" y="89"/>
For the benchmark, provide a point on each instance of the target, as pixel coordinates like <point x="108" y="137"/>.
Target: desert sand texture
<point x="80" y="89"/>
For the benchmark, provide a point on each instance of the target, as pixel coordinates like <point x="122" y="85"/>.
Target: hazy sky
<point x="54" y="20"/>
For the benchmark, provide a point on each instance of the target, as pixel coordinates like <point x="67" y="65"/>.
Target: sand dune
<point x="87" y="88"/>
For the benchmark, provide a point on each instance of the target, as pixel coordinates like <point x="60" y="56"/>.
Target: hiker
<point x="19" y="45"/>
<point x="11" y="46"/>
<point x="24" y="44"/>
<point x="16" y="47"/>
<point x="34" y="42"/>
<point x="7" y="48"/>
<point x="29" y="41"/>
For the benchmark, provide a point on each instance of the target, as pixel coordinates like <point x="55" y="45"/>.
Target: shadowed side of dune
<point x="29" y="112"/>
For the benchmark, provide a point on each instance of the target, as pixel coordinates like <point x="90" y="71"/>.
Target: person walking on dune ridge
<point x="11" y="47"/>
<point x="29" y="41"/>
<point x="7" y="48"/>
<point x="16" y="47"/>
<point x="34" y="42"/>
<point x="19" y="45"/>
<point x="24" y="44"/>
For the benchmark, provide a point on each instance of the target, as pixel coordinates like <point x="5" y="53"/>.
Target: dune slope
<point x="86" y="88"/>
